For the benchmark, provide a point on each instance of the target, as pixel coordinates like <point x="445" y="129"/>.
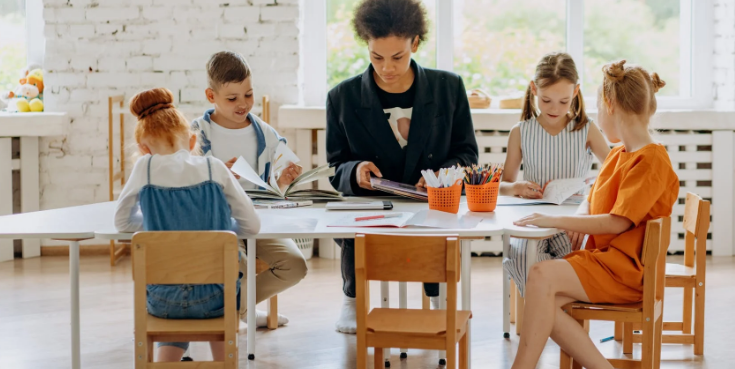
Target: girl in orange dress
<point x="636" y="184"/>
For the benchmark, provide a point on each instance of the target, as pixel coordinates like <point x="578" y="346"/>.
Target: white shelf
<point x="32" y="124"/>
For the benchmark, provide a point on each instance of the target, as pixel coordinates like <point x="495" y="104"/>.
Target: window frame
<point x="696" y="48"/>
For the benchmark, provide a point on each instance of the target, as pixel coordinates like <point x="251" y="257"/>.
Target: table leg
<point x="403" y="304"/>
<point x="6" y="193"/>
<point x="466" y="265"/>
<point x="506" y="289"/>
<point x="74" y="279"/>
<point x="251" y="298"/>
<point x="385" y="303"/>
<point x="442" y="306"/>
<point x="29" y="172"/>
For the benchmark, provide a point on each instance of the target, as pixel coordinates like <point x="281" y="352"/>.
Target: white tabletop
<point x="88" y="221"/>
<point x="77" y="222"/>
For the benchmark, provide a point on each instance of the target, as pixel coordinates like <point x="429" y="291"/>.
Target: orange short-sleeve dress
<point x="640" y="186"/>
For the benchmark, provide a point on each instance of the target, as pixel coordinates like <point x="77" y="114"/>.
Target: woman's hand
<point x="229" y="165"/>
<point x="291" y="172"/>
<point x="576" y="238"/>
<point x="528" y="190"/>
<point x="538" y="220"/>
<point x="362" y="174"/>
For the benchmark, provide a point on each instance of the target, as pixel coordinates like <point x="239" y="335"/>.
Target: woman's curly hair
<point x="382" y="18"/>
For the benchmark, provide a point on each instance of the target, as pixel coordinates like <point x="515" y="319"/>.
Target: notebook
<point x="360" y="205"/>
<point x="400" y="189"/>
<point x="421" y="219"/>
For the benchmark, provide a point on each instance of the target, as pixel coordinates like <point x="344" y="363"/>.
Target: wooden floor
<point x="34" y="320"/>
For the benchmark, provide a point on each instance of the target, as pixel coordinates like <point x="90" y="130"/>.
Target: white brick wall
<point x="724" y="54"/>
<point x="95" y="49"/>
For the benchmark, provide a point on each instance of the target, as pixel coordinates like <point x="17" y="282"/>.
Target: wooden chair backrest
<point x="412" y="258"/>
<point x="204" y="257"/>
<point x="653" y="257"/>
<point x="266" y="115"/>
<point x="696" y="226"/>
<point x="407" y="258"/>
<point x="120" y="174"/>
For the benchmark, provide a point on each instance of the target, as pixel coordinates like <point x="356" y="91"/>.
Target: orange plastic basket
<point x="482" y="197"/>
<point x="445" y="199"/>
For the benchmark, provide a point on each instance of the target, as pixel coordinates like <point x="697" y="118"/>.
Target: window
<point x="495" y="44"/>
<point x="642" y="32"/>
<point x="348" y="57"/>
<point x="13" y="52"/>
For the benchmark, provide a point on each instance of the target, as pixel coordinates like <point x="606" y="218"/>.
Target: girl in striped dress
<point x="554" y="140"/>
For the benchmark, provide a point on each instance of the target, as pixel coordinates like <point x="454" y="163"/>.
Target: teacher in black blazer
<point x="394" y="120"/>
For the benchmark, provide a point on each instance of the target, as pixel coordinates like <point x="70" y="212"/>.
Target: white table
<point x="28" y="127"/>
<point x="90" y="221"/>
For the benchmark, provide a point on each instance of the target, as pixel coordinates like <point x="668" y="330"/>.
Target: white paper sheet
<point x="243" y="169"/>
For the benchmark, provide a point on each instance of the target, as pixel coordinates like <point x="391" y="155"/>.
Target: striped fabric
<point x="545" y="158"/>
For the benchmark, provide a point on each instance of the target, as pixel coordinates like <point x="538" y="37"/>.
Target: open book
<point x="423" y="218"/>
<point x="557" y="192"/>
<point x="270" y="190"/>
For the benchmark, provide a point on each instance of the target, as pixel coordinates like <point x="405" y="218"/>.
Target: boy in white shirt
<point x="229" y="131"/>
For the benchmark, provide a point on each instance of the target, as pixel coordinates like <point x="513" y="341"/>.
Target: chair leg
<point x="273" y="312"/>
<point x="658" y="337"/>
<point x="648" y="345"/>
<point x="565" y="361"/>
<point x="687" y="311"/>
<point x="463" y="353"/>
<point x="618" y="331"/>
<point x="379" y="361"/>
<point x="513" y="296"/>
<point x="451" y="357"/>
<point x="520" y="306"/>
<point x="627" y="338"/>
<point x="362" y="352"/>
<point x="699" y="320"/>
<point x="112" y="253"/>
<point x="425" y="301"/>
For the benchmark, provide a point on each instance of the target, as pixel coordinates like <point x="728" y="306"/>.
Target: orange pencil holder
<point x="445" y="199"/>
<point x="482" y="198"/>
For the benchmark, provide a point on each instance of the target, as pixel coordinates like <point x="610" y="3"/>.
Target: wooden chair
<point x="690" y="277"/>
<point x="116" y="251"/>
<point x="648" y="313"/>
<point x="433" y="259"/>
<point x="191" y="263"/>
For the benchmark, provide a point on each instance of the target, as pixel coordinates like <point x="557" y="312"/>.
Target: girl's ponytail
<point x="578" y="112"/>
<point x="529" y="107"/>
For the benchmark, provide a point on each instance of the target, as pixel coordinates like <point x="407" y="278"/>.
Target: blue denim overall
<point x="201" y="207"/>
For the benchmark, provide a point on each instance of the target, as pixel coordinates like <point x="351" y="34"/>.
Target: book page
<point x="323" y="171"/>
<point x="439" y="219"/>
<point x="561" y="189"/>
<point x="243" y="169"/>
<point x="283" y="157"/>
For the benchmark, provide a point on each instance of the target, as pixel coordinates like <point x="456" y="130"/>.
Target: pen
<point x="607" y="339"/>
<point x="371" y="217"/>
